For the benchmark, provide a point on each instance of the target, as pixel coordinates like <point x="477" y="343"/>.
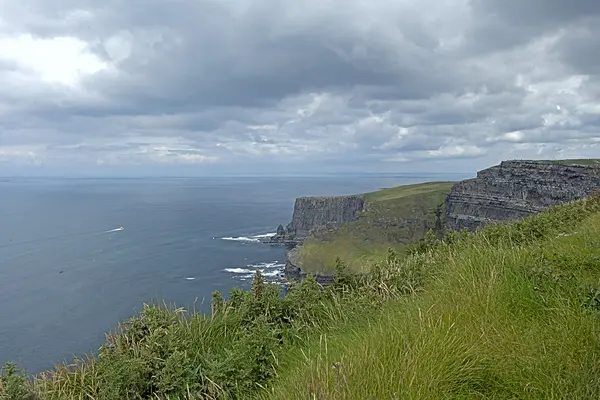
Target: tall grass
<point x="511" y="312"/>
<point x="232" y="353"/>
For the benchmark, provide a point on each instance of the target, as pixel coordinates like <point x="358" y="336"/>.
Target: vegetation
<point x="588" y="161"/>
<point x="394" y="217"/>
<point x="510" y="312"/>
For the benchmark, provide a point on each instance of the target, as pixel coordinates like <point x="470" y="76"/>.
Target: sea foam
<point x="249" y="239"/>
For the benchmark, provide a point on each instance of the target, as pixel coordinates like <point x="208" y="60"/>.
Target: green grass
<point x="510" y="312"/>
<point x="393" y="217"/>
<point x="502" y="318"/>
<point x="589" y="161"/>
<point x="403" y="191"/>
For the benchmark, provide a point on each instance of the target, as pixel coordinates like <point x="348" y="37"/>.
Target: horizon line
<point x="228" y="175"/>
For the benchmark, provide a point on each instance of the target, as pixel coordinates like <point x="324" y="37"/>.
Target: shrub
<point x="13" y="384"/>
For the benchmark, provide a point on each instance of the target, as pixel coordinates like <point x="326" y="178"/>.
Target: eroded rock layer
<point x="516" y="189"/>
<point x="314" y="212"/>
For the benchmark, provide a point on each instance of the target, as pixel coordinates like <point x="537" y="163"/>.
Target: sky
<point x="209" y="87"/>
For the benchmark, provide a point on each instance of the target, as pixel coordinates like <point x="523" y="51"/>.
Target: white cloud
<point x="119" y="46"/>
<point x="515" y="136"/>
<point x="21" y="154"/>
<point x="456" y="151"/>
<point x="63" y="60"/>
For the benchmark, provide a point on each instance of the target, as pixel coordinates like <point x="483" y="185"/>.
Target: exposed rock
<point x="313" y="212"/>
<point x="515" y="189"/>
<point x="280" y="237"/>
<point x="280" y="230"/>
<point x="317" y="212"/>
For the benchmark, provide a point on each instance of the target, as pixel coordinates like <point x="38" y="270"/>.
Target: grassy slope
<point x="498" y="321"/>
<point x="589" y="161"/>
<point x="386" y="222"/>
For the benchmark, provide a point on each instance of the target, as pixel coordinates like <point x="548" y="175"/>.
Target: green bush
<point x="14" y="384"/>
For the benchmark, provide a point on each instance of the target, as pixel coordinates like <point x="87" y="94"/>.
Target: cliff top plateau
<point x="393" y="217"/>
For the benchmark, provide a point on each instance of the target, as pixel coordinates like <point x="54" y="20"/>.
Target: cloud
<point x="329" y="86"/>
<point x="57" y="60"/>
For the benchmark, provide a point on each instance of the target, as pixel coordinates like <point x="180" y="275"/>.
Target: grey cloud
<point x="215" y="82"/>
<point x="580" y="48"/>
<point x="502" y="24"/>
<point x="227" y="56"/>
<point x="538" y="12"/>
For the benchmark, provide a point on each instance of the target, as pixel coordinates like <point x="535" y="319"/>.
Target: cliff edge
<point x="358" y="229"/>
<point x="317" y="212"/>
<point x="518" y="188"/>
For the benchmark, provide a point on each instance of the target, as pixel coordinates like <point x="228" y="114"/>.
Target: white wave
<point x="269" y="274"/>
<point x="242" y="239"/>
<point x="266" y="265"/>
<point x="238" y="270"/>
<point x="272" y="273"/>
<point x="250" y="238"/>
<point x="265" y="235"/>
<point x="189" y="278"/>
<point x="250" y="274"/>
<point x="115" y="230"/>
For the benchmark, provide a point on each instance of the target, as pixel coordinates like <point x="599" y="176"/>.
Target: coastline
<point x="292" y="272"/>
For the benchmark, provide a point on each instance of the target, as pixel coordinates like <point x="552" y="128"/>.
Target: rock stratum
<point x="312" y="213"/>
<point x="516" y="189"/>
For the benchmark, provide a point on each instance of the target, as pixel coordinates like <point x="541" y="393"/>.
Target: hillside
<point x="391" y="217"/>
<point x="510" y="312"/>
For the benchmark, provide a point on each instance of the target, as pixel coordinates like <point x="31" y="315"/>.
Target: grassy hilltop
<point x="393" y="218"/>
<point x="510" y="312"/>
<point x="582" y="161"/>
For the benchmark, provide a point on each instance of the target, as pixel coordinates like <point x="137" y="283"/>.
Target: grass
<point x="393" y="217"/>
<point x="510" y="312"/>
<point x="588" y="161"/>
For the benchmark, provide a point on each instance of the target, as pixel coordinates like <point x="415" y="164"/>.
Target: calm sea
<point x="68" y="274"/>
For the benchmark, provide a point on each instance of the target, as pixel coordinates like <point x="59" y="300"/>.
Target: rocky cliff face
<point x="516" y="189"/>
<point x="315" y="212"/>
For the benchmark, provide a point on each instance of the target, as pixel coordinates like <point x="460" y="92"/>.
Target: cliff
<point x="518" y="188"/>
<point x="317" y="212"/>
<point x="358" y="229"/>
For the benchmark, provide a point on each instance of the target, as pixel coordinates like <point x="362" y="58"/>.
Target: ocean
<point x="79" y="255"/>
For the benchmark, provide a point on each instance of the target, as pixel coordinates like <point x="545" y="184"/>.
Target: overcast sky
<point x="288" y="86"/>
